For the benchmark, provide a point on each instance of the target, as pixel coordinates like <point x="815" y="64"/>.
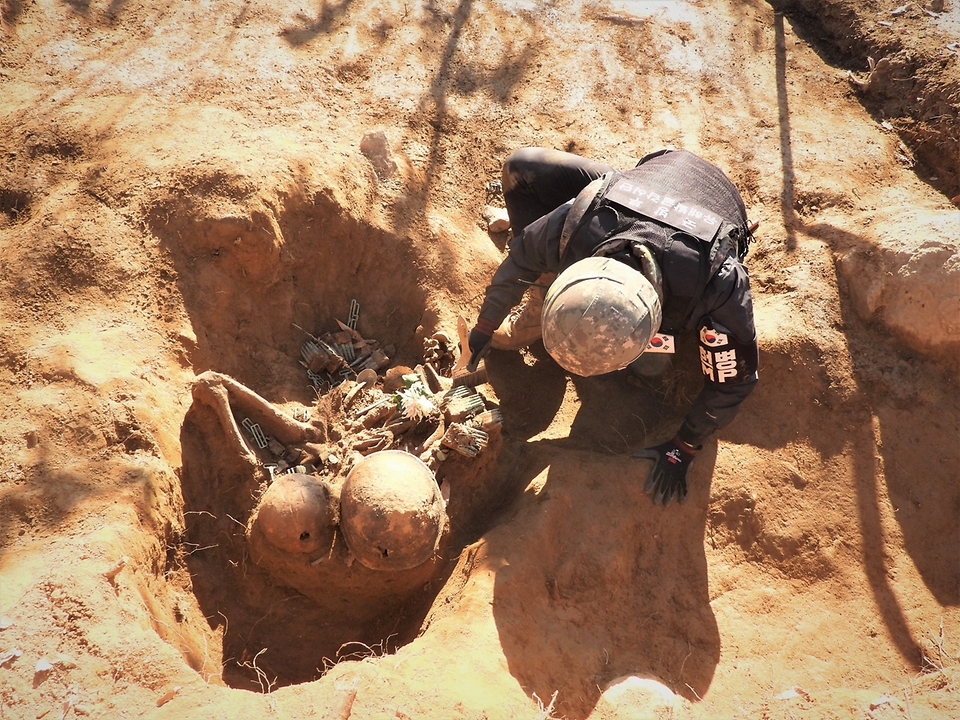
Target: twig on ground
<point x="266" y="685"/>
<point x="942" y="655"/>
<point x="381" y="649"/>
<point x="545" y="713"/>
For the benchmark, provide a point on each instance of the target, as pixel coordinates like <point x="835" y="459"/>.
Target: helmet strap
<point x="649" y="267"/>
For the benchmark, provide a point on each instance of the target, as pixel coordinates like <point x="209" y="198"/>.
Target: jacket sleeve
<point x="728" y="354"/>
<point x="534" y="251"/>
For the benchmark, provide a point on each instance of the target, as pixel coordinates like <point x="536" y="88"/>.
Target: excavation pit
<point x="293" y="557"/>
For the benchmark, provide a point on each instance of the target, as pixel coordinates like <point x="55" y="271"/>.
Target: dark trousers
<point x="539" y="180"/>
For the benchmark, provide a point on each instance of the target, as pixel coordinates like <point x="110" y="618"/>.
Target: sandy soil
<point x="185" y="186"/>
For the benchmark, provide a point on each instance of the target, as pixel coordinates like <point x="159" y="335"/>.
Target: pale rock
<point x="496" y="219"/>
<point x="376" y="149"/>
<point x="637" y="698"/>
<point x="905" y="273"/>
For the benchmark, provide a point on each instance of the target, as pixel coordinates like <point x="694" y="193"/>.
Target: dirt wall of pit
<point x="905" y="64"/>
<point x="181" y="186"/>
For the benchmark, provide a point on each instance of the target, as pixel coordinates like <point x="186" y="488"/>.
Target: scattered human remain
<point x="608" y="266"/>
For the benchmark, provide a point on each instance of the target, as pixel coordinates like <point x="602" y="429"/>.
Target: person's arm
<point x="534" y="251"/>
<point x="728" y="360"/>
<point x="728" y="355"/>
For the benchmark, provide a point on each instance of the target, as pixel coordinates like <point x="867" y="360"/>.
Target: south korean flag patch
<point x="723" y="359"/>
<point x="712" y="338"/>
<point x="661" y="343"/>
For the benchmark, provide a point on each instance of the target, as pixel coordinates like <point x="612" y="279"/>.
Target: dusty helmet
<point x="297" y="513"/>
<point x="391" y="512"/>
<point x="599" y="316"/>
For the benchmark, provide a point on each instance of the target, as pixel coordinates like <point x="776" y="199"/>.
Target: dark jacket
<point x="711" y="295"/>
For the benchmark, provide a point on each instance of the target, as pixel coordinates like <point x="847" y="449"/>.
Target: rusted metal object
<point x="391" y="512"/>
<point x="465" y="440"/>
<point x="297" y="513"/>
<point x="463" y="408"/>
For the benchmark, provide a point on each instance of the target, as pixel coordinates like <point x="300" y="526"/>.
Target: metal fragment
<point x="377" y="361"/>
<point x="371" y="406"/>
<point x="354" y="315"/>
<point x="479" y="437"/>
<point x="316" y="380"/>
<point x="461" y="408"/>
<point x="254" y="430"/>
<point x="464" y="440"/>
<point x="301" y="414"/>
<point x="457" y="392"/>
<point x="309" y="350"/>
<point x="487" y="421"/>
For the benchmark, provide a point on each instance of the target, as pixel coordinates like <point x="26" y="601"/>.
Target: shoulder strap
<point x="586" y="200"/>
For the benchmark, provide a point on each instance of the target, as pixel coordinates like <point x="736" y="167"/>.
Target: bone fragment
<point x="280" y="425"/>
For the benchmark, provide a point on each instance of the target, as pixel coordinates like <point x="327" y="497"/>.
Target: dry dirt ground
<point x="183" y="185"/>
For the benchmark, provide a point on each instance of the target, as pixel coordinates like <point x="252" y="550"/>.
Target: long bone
<point x="216" y="390"/>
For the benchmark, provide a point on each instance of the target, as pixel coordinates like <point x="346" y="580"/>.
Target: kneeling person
<point x="613" y="264"/>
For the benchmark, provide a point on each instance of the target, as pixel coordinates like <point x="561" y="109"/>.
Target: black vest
<point x="673" y="192"/>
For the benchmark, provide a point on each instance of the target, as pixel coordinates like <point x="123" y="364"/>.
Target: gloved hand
<point x="479" y="342"/>
<point x="669" y="475"/>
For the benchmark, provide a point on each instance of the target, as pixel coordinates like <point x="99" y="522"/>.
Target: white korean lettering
<point x="688" y="224"/>
<point x="726" y="364"/>
<point x="706" y="363"/>
<point x="661" y="212"/>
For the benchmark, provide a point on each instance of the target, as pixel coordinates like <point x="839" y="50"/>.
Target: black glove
<point x="479" y="342"/>
<point x="669" y="474"/>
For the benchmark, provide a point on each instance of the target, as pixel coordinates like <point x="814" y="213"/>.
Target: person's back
<point x="680" y="227"/>
<point x="687" y="212"/>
